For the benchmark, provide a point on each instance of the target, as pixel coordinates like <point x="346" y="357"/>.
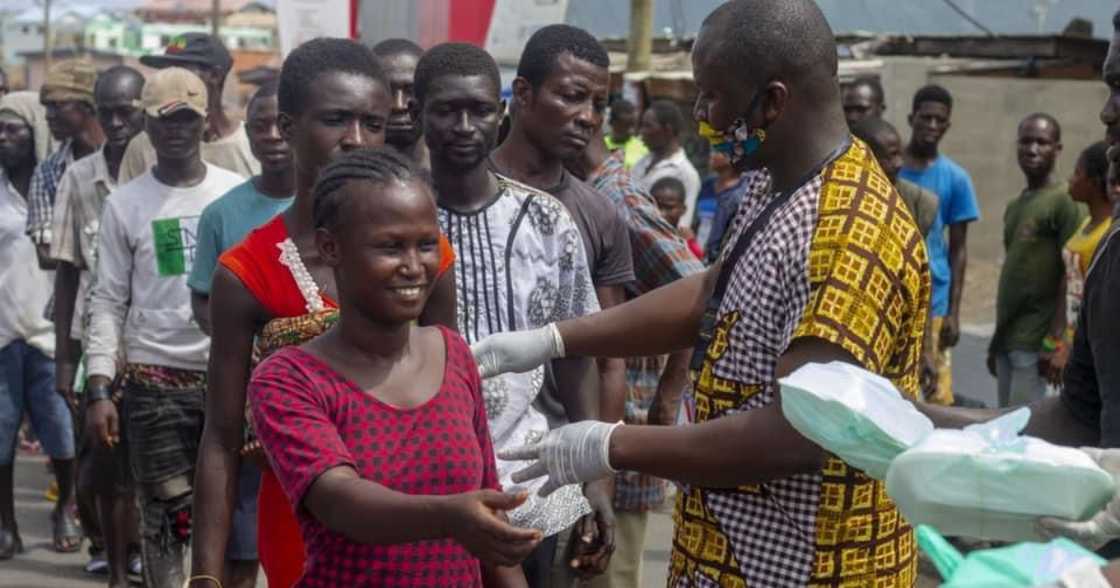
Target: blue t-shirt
<point x="224" y="223"/>
<point x="953" y="187"/>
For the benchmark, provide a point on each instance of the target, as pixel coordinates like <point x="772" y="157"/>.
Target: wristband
<point x="1051" y="344"/>
<point x="557" y="341"/>
<point x="99" y="392"/>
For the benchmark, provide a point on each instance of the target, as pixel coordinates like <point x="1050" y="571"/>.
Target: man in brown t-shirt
<point x="557" y="98"/>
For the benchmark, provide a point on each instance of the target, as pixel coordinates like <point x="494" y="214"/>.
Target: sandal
<point x="67" y="538"/>
<point x="10" y="544"/>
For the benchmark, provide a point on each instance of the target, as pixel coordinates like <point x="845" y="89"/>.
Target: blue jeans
<point x="27" y="385"/>
<point x="1019" y="380"/>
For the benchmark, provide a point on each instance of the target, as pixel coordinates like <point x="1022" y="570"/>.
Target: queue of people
<point x="251" y="340"/>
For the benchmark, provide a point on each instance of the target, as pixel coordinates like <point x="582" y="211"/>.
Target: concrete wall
<point x="986" y="115"/>
<point x="20" y="37"/>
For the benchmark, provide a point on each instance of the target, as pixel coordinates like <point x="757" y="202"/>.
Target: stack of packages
<point x="985" y="481"/>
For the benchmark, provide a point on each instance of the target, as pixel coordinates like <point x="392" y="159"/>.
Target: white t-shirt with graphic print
<point x="145" y="252"/>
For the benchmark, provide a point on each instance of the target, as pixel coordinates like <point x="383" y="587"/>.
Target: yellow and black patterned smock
<point x="841" y="261"/>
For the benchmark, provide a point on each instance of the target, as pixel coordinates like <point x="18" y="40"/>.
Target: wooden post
<point x="640" y="45"/>
<point x="215" y="17"/>
<point x="48" y="38"/>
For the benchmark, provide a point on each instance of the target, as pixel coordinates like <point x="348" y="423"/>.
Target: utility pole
<point x="640" y="45"/>
<point x="215" y="17"/>
<point x="48" y="38"/>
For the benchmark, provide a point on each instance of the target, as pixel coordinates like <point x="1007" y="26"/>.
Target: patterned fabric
<point x="44" y="186"/>
<point x="312" y="419"/>
<point x="159" y="377"/>
<point x="838" y="262"/>
<point x="521" y="265"/>
<point x="282" y="332"/>
<point x="633" y="491"/>
<point x="942" y="364"/>
<point x="1077" y="254"/>
<point x="660" y="254"/>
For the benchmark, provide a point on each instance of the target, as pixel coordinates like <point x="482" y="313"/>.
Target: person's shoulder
<point x="587" y="196"/>
<point x="58" y="156"/>
<point x="1106" y="259"/>
<point x="547" y="212"/>
<point x="286" y="366"/>
<point x="521" y="192"/>
<point x="86" y="167"/>
<point x="230" y="198"/>
<point x="872" y="201"/>
<point x="133" y="191"/>
<point x="1059" y="191"/>
<point x="950" y="166"/>
<point x="222" y="177"/>
<point x="918" y="193"/>
<point x="260" y="240"/>
<point x="78" y="176"/>
<point x="458" y="351"/>
<point x="681" y="160"/>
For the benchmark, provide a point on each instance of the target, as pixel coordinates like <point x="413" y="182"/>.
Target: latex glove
<point x="1105" y="525"/>
<point x="579" y="452"/>
<point x="517" y="351"/>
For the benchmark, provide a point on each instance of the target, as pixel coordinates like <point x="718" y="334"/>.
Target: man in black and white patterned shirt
<point x="519" y="264"/>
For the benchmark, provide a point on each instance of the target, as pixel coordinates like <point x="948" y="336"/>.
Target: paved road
<point x="41" y="567"/>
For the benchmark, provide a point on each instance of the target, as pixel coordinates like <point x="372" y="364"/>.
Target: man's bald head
<point x="117" y="80"/>
<point x="763" y="40"/>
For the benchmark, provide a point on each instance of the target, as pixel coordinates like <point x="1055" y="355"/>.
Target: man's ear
<point x="522" y="92"/>
<point x="776" y="100"/>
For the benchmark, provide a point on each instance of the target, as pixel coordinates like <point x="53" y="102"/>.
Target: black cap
<point x="191" y="48"/>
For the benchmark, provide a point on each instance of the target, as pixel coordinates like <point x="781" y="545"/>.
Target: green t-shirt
<point x="1035" y="227"/>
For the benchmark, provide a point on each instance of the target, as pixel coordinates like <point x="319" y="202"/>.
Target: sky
<point x="90" y="5"/>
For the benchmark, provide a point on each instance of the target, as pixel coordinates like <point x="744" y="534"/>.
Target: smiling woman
<point x="336" y="413"/>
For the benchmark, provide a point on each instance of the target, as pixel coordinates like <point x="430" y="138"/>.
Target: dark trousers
<point x="163" y="429"/>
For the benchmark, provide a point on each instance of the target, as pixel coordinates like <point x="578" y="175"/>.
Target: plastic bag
<point x="988" y="482"/>
<point x="855" y="414"/>
<point x="1022" y="565"/>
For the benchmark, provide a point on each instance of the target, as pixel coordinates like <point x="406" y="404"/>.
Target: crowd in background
<point x="225" y="328"/>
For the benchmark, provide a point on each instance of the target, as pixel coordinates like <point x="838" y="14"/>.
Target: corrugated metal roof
<point x="610" y="18"/>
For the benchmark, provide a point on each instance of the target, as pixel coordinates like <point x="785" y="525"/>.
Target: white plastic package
<point x="855" y="414"/>
<point x="988" y="482"/>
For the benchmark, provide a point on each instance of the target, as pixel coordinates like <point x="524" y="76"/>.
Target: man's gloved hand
<point x="517" y="351"/>
<point x="1105" y="525"/>
<point x="579" y="452"/>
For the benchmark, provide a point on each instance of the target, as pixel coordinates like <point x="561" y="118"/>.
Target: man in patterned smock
<point x="823" y="263"/>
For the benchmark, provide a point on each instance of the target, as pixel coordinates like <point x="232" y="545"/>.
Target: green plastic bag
<point x="1021" y="565"/>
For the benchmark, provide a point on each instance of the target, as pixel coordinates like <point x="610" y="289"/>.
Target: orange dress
<point x="256" y="261"/>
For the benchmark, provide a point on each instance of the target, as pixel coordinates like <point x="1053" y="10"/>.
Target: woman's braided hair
<point x="378" y="166"/>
